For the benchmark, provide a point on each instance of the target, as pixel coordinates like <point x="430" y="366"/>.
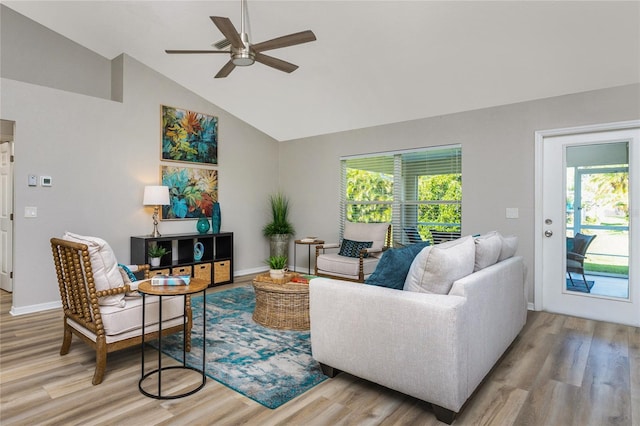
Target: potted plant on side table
<point x="155" y="253"/>
<point x="279" y="229"/>
<point x="277" y="267"/>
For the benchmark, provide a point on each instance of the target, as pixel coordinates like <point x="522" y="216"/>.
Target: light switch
<point x="30" y="212"/>
<point x="512" y="213"/>
<point x="33" y="180"/>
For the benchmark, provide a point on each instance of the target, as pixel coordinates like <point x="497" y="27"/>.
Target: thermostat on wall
<point x="45" y="180"/>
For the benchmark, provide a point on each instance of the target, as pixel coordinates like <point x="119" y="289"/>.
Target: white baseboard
<point x="252" y="271"/>
<point x="530" y="306"/>
<point x="35" y="308"/>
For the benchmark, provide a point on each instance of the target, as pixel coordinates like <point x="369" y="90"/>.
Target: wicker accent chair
<point x="108" y="328"/>
<point x="356" y="268"/>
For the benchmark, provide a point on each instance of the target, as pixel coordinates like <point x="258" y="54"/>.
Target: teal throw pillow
<point x="130" y="274"/>
<point x="351" y="248"/>
<point x="394" y="266"/>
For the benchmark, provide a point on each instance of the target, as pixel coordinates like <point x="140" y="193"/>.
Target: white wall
<point x="100" y="155"/>
<point x="497" y="160"/>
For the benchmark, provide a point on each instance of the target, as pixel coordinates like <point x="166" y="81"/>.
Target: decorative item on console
<point x="198" y="251"/>
<point x="203" y="223"/>
<point x="216" y="218"/>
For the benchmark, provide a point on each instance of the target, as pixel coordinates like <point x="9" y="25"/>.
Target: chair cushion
<point x="104" y="265"/>
<point x="394" y="265"/>
<point x="334" y="264"/>
<point x="488" y="248"/>
<point x="352" y="248"/>
<point x="435" y="268"/>
<point x="118" y="320"/>
<point x="376" y="232"/>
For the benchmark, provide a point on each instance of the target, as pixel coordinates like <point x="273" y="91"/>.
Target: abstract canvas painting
<point x="189" y="136"/>
<point x="191" y="191"/>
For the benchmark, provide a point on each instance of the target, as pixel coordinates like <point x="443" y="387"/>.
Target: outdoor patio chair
<point x="576" y="254"/>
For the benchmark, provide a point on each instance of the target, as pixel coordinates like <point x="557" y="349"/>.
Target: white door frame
<point x="538" y="211"/>
<point x="6" y="205"/>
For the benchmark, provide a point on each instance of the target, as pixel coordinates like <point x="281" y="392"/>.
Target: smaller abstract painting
<point x="189" y="136"/>
<point x="191" y="191"/>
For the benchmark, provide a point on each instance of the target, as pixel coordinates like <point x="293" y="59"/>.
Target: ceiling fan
<point x="243" y="53"/>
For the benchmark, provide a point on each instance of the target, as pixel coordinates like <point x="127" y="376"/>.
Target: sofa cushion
<point x="352" y="248"/>
<point x="488" y="248"/>
<point x="394" y="265"/>
<point x="435" y="268"/>
<point x="104" y="265"/>
<point x="509" y="247"/>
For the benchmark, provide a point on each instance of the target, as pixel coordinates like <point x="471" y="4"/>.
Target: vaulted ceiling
<point x="374" y="62"/>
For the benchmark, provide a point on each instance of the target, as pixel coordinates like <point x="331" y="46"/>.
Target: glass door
<point x="585" y="261"/>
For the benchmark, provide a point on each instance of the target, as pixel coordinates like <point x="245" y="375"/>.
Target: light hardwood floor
<point x="560" y="371"/>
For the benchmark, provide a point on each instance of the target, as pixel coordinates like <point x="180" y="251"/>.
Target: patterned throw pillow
<point x="351" y="248"/>
<point x="132" y="277"/>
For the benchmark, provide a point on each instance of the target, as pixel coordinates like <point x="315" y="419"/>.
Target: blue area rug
<point x="269" y="366"/>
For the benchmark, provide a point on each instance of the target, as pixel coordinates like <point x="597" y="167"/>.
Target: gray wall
<point x="497" y="160"/>
<point x="101" y="153"/>
<point x="35" y="54"/>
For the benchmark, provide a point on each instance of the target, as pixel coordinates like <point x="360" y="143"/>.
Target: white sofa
<point x="435" y="347"/>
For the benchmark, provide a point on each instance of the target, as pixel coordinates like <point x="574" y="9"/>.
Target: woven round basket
<point x="281" y="306"/>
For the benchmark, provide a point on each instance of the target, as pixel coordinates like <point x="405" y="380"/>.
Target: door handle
<point x="548" y="233"/>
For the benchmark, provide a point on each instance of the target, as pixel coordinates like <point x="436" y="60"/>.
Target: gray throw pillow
<point x="488" y="248"/>
<point x="436" y="268"/>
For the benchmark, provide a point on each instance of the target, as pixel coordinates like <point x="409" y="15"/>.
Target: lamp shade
<point x="156" y="195"/>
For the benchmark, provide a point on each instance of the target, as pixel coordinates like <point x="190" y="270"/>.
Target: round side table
<point x="308" y="244"/>
<point x="195" y="286"/>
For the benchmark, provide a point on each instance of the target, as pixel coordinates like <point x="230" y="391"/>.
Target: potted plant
<point x="279" y="229"/>
<point x="155" y="253"/>
<point x="277" y="266"/>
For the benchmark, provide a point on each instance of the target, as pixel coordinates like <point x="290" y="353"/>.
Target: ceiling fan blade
<point x="225" y="70"/>
<point x="276" y="63"/>
<point x="285" y="41"/>
<point x="197" y="51"/>
<point x="228" y="30"/>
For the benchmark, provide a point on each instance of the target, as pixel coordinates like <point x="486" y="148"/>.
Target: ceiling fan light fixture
<point x="242" y="59"/>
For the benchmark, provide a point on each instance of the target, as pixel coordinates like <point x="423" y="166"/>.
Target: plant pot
<point x="276" y="274"/>
<point x="279" y="245"/>
<point x="155" y="261"/>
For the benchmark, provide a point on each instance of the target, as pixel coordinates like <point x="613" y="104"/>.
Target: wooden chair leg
<point x="101" y="360"/>
<point x="66" y="339"/>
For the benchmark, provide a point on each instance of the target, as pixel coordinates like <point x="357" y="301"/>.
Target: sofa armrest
<point x="411" y="342"/>
<point x="498" y="306"/>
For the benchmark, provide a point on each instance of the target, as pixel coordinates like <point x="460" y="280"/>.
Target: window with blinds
<point x="418" y="191"/>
